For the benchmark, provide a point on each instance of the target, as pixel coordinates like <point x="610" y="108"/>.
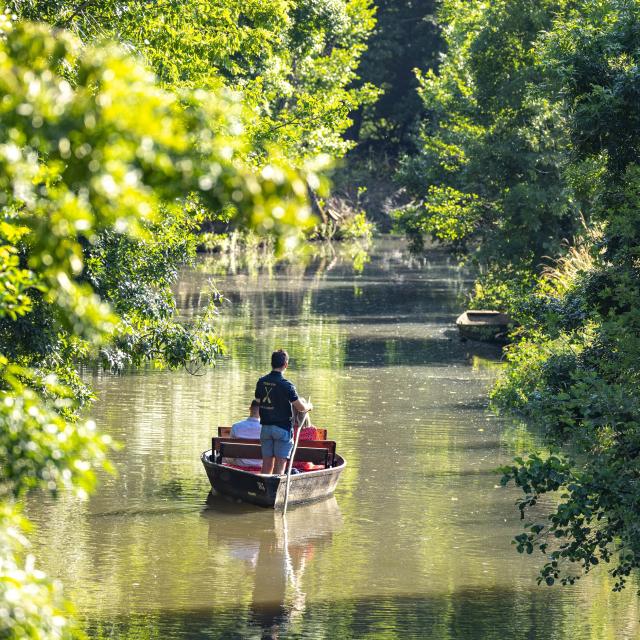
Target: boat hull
<point x="484" y="326"/>
<point x="269" y="491"/>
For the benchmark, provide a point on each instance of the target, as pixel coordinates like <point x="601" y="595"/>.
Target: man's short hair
<point x="279" y="358"/>
<point x="255" y="405"/>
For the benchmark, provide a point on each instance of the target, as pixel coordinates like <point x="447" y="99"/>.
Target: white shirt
<point x="248" y="429"/>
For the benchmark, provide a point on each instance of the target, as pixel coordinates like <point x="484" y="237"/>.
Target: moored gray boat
<point x="484" y="325"/>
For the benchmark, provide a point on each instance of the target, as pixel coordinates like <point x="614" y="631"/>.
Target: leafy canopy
<point x="100" y="167"/>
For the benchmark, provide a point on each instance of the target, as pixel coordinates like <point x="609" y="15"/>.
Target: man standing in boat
<point x="278" y="399"/>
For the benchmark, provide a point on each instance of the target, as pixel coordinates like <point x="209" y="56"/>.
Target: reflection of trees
<point x="466" y="615"/>
<point x="308" y="259"/>
<point x="403" y="292"/>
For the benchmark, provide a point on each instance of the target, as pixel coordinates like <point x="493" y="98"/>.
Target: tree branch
<point x="79" y="8"/>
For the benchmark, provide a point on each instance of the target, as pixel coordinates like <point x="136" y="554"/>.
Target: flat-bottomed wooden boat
<point x="316" y="482"/>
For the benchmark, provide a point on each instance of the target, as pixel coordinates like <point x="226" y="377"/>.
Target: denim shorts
<point x="276" y="441"/>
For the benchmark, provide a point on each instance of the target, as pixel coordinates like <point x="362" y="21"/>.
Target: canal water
<point x="416" y="542"/>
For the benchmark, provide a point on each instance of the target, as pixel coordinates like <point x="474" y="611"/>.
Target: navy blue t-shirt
<point x="275" y="394"/>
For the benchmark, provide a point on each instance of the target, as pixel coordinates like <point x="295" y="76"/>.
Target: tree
<point x="295" y="63"/>
<point x="576" y="370"/>
<point x="489" y="140"/>
<point x="95" y="162"/>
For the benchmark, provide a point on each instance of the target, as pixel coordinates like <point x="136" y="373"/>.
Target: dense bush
<point x="578" y="373"/>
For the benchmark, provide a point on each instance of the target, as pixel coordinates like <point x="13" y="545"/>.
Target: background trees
<point x="487" y="177"/>
<point x="406" y="37"/>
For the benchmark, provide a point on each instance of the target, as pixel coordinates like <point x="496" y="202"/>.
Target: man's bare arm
<point x="302" y="406"/>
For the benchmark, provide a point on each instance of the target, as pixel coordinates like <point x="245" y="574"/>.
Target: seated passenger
<point x="248" y="429"/>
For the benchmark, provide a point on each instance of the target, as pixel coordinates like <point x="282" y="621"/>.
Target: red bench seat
<point x="301" y="466"/>
<point x="313" y="454"/>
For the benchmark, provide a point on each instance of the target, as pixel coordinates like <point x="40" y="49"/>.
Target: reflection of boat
<point x="489" y="326"/>
<point x="268" y="491"/>
<point x="307" y="523"/>
<point x="277" y="550"/>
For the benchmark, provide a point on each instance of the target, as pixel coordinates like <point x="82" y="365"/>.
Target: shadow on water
<point x="462" y="615"/>
<point x="394" y="349"/>
<point x="470" y="405"/>
<point x="430" y="350"/>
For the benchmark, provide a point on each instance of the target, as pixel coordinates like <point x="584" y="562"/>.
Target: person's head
<point x="279" y="359"/>
<point x="254" y="409"/>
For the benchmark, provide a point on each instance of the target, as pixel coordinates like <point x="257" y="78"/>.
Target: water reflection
<point x="278" y="550"/>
